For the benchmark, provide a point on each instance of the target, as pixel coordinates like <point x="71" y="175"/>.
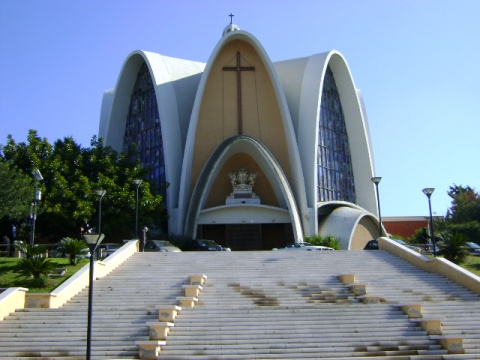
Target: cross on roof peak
<point x="231" y="18"/>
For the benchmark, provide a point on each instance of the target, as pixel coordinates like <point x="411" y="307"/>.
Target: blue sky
<point x="416" y="63"/>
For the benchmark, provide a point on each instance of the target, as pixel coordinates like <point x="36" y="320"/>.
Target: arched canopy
<point x="352" y="225"/>
<point x="268" y="164"/>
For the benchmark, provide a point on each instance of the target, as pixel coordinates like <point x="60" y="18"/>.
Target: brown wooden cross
<point x="239" y="70"/>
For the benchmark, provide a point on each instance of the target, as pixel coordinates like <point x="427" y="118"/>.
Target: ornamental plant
<point x="327" y="240"/>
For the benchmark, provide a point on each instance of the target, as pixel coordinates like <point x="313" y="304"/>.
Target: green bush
<point x="74" y="247"/>
<point x="34" y="265"/>
<point x="452" y="246"/>
<point x="36" y="270"/>
<point x="30" y="251"/>
<point x="327" y="240"/>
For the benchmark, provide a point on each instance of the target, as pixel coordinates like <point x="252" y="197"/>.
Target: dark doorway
<point x="212" y="232"/>
<point x="276" y="235"/>
<point x="244" y="237"/>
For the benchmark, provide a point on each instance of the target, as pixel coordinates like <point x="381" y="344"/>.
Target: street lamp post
<point x="100" y="194"/>
<point x="429" y="192"/>
<point x="37" y="176"/>
<point x="92" y="240"/>
<point x="144" y="238"/>
<point x="137" y="183"/>
<point x="376" y="180"/>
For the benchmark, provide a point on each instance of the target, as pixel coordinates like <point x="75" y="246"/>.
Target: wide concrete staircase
<point x="258" y="305"/>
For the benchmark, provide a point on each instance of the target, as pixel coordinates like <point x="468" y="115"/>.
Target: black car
<point x="204" y="245"/>
<point x="371" y="245"/>
<point x="160" y="246"/>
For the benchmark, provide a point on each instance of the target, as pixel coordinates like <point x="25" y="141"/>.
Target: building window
<point x="334" y="168"/>
<point x="143" y="134"/>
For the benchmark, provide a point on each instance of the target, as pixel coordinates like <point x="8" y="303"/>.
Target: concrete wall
<point x="11" y="299"/>
<point x="73" y="285"/>
<point x="436" y="265"/>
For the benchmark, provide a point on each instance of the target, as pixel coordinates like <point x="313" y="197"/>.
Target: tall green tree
<point x="465" y="204"/>
<point x="464" y="214"/>
<point x="16" y="192"/>
<point x="112" y="171"/>
<point x="71" y="175"/>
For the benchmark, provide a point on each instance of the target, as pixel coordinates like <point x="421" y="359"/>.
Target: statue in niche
<point x="242" y="184"/>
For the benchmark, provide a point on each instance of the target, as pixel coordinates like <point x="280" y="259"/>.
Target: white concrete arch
<point x="303" y="80"/>
<point x="295" y="162"/>
<point x="272" y="170"/>
<point x="344" y="221"/>
<point x="357" y="130"/>
<point x="165" y="72"/>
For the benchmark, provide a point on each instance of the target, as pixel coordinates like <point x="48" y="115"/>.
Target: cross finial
<point x="231" y="18"/>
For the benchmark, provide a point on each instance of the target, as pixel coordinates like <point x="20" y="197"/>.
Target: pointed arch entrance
<point x="242" y="219"/>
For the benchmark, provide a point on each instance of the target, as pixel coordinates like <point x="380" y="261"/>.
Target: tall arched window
<point x="143" y="135"/>
<point x="334" y="168"/>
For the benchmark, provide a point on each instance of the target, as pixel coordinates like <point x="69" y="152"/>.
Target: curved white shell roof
<point x="302" y="80"/>
<point x="179" y="87"/>
<point x="175" y="81"/>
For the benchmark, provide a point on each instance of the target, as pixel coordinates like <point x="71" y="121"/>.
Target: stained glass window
<point x="143" y="135"/>
<point x="334" y="168"/>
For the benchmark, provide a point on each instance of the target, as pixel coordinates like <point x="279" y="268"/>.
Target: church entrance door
<point x="244" y="237"/>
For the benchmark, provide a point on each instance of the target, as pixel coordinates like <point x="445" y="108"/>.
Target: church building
<point x="251" y="153"/>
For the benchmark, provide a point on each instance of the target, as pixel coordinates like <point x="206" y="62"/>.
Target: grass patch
<point x="10" y="278"/>
<point x="472" y="264"/>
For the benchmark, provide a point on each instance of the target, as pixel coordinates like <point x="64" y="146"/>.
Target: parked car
<point x="58" y="251"/>
<point x="204" y="245"/>
<point x="414" y="248"/>
<point x="306" y="247"/>
<point x="107" y="249"/>
<point x="371" y="245"/>
<point x="473" y="248"/>
<point x="161" y="246"/>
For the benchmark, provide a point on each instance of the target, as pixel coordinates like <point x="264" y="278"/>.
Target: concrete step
<point x="253" y="305"/>
<point x="70" y="354"/>
<point x="289" y="352"/>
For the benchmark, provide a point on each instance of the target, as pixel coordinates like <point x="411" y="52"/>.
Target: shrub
<point x="34" y="265"/>
<point x="30" y="250"/>
<point x="73" y="248"/>
<point x="452" y="246"/>
<point x="327" y="240"/>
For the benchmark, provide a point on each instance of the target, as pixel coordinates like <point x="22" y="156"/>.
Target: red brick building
<point x="404" y="226"/>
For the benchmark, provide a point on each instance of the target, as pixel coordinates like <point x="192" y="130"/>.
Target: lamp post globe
<point x="100" y="194"/>
<point x="37" y="176"/>
<point x="92" y="240"/>
<point x="376" y="180"/>
<point x="428" y="192"/>
<point x="137" y="183"/>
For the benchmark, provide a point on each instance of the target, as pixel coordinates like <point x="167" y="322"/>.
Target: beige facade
<point x="219" y="115"/>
